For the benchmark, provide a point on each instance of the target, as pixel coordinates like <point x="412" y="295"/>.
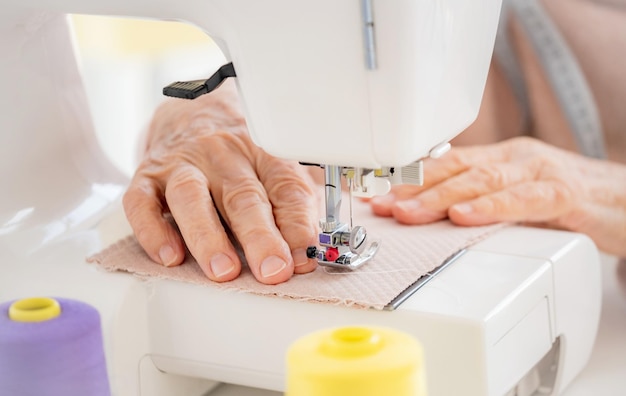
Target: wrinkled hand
<point x="199" y="165"/>
<point x="520" y="180"/>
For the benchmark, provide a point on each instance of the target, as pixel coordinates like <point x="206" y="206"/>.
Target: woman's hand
<point x="201" y="166"/>
<point x="521" y="179"/>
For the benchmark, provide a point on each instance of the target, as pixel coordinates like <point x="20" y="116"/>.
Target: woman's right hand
<point x="201" y="166"/>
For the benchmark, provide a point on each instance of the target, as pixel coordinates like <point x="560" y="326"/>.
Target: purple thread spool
<point x="60" y="355"/>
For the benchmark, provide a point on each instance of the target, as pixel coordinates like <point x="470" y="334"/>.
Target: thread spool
<point x="351" y="361"/>
<point x="51" y="347"/>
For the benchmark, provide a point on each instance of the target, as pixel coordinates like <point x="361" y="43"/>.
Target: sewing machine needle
<point x="350" y="199"/>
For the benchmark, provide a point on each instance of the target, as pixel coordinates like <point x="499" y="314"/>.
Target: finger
<point x="241" y="199"/>
<point x="435" y="171"/>
<point x="295" y="206"/>
<point x="383" y="205"/>
<point x="455" y="162"/>
<point x="250" y="217"/>
<point x="189" y="200"/>
<point x="532" y="201"/>
<point x="460" y="159"/>
<point x="155" y="234"/>
<point x="432" y="204"/>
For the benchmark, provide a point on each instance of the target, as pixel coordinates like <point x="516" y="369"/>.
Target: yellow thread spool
<point x="353" y="361"/>
<point x="35" y="309"/>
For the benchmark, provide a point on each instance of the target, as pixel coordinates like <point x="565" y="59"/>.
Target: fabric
<point x="406" y="254"/>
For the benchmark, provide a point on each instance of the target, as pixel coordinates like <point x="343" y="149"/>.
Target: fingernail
<point x="167" y="255"/>
<point x="463" y="208"/>
<point x="221" y="265"/>
<point x="272" y="266"/>
<point x="299" y="257"/>
<point x="384" y="200"/>
<point x="408" y="206"/>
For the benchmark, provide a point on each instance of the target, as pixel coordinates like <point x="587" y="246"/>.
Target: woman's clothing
<point x="561" y="69"/>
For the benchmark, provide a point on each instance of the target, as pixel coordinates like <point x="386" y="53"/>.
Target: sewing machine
<point x="514" y="315"/>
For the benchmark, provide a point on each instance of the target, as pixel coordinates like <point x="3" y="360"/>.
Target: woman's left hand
<point x="520" y="180"/>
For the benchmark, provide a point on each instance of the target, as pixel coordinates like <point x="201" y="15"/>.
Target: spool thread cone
<point x="351" y="361"/>
<point x="34" y="309"/>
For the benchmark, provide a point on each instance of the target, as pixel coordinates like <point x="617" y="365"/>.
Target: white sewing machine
<point x="514" y="315"/>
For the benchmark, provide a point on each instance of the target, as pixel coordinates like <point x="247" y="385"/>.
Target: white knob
<point x="440" y="150"/>
<point x="380" y="186"/>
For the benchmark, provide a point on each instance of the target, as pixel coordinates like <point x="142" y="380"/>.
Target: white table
<point x="605" y="375"/>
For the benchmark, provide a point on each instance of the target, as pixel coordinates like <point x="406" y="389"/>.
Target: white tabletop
<point x="605" y="375"/>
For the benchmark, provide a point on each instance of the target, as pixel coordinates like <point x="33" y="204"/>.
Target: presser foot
<point x="344" y="249"/>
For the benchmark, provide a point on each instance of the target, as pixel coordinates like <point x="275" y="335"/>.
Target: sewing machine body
<point x="485" y="321"/>
<point x="503" y="317"/>
<point x="369" y="84"/>
<point x="306" y="66"/>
